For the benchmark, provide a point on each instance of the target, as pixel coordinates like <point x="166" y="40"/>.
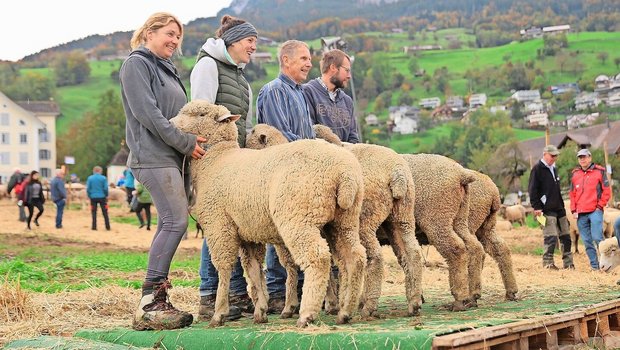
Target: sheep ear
<point x="229" y="118"/>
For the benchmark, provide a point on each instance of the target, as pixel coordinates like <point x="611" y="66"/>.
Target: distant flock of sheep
<point x="321" y="202"/>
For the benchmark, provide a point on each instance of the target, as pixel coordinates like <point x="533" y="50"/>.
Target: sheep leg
<point x="409" y="254"/>
<point x="312" y="254"/>
<point x="374" y="268"/>
<point x="224" y="252"/>
<point x="291" y="301"/>
<point x="331" y="297"/>
<point x="351" y="258"/>
<point x="452" y="249"/>
<point x="252" y="256"/>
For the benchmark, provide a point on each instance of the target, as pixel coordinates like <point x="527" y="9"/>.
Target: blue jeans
<point x="591" y="231"/>
<point x="276" y="275"/>
<point x="209" y="278"/>
<point x="60" y="209"/>
<point x="617" y="229"/>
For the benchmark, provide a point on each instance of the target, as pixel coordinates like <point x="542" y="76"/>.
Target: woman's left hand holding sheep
<point x="199" y="151"/>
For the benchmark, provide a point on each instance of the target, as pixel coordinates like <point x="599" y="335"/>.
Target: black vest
<point x="233" y="92"/>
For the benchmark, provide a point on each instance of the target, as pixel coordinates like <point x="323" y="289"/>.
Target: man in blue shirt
<point x="97" y="191"/>
<point x="59" y="195"/>
<point x="281" y="104"/>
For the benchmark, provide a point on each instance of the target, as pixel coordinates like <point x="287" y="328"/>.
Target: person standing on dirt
<point x="589" y="193"/>
<point x="546" y="199"/>
<point x="130" y="186"/>
<point x="218" y="78"/>
<point x="34" y="197"/>
<point x="59" y="195"/>
<point x="97" y="192"/>
<point x="15" y="181"/>
<point x="159" y="157"/>
<point x="144" y="203"/>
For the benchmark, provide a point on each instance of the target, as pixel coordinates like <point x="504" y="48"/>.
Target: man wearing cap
<point x="589" y="193"/>
<point x="546" y="199"/>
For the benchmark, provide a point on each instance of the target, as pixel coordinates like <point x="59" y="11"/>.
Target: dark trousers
<point x="103" y="202"/>
<point x="147" y="209"/>
<point x="38" y="203"/>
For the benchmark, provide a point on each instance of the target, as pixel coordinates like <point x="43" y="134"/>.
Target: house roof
<point x="120" y="158"/>
<point x="594" y="136"/>
<point x="40" y="107"/>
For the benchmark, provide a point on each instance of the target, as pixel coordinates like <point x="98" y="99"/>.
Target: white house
<point x="580" y="120"/>
<point x="613" y="100"/>
<point x="539" y="118"/>
<point x="27" y="137"/>
<point x="430" y="103"/>
<point x="372" y="119"/>
<point x="477" y="100"/>
<point x="406" y="125"/>
<point x="586" y="99"/>
<point x="526" y="95"/>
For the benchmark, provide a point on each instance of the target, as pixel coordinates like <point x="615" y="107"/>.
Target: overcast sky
<point x="29" y="26"/>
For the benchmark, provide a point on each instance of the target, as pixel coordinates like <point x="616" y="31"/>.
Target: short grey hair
<point x="288" y="48"/>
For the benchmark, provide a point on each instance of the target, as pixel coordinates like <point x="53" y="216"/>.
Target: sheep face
<point x="610" y="254"/>
<point x="263" y="136"/>
<point x="202" y="118"/>
<point x="325" y="133"/>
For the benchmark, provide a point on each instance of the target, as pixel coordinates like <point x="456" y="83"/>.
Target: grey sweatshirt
<point x="152" y="94"/>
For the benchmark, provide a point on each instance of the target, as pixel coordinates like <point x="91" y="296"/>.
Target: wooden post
<point x="547" y="136"/>
<point x="611" y="198"/>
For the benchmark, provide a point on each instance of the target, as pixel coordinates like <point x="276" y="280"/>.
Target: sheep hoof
<point x="414" y="310"/>
<point x="458" y="306"/>
<point x="303" y="322"/>
<point x="471" y="303"/>
<point x="331" y="310"/>
<point x="216" y="321"/>
<point x="422" y="297"/>
<point x="367" y="313"/>
<point x="260" y="317"/>
<point x="511" y="296"/>
<point x="343" y="318"/>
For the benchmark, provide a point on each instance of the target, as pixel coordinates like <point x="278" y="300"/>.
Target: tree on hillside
<point x="602" y="56"/>
<point x="617" y="62"/>
<point x="32" y="86"/>
<point x="97" y="137"/>
<point x="70" y="68"/>
<point x="8" y="73"/>
<point x="506" y="166"/>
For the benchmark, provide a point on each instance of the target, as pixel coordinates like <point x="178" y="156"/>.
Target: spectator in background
<point x="589" y="193"/>
<point x="15" y="181"/>
<point x="327" y="102"/>
<point x="218" y="78"/>
<point x="97" y="192"/>
<point x="130" y="186"/>
<point x="34" y="197"/>
<point x="546" y="199"/>
<point x="144" y="203"/>
<point x="59" y="195"/>
<point x="281" y="104"/>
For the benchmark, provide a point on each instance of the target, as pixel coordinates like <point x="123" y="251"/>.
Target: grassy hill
<point x="75" y="101"/>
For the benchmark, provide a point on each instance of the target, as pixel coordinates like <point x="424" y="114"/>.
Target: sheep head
<point x="263" y="136"/>
<point x="202" y="118"/>
<point x="610" y="254"/>
<point x="325" y="133"/>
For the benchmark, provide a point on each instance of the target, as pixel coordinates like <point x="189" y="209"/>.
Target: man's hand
<point x="576" y="216"/>
<point x="537" y="212"/>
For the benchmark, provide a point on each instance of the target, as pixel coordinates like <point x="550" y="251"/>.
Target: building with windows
<point x="27" y="137"/>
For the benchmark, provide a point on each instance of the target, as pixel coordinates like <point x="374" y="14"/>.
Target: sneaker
<point x="36" y="222"/>
<point x="156" y="312"/>
<point x="243" y="302"/>
<point x="275" y="305"/>
<point x="551" y="267"/>
<point x="207" y="309"/>
<point x="569" y="267"/>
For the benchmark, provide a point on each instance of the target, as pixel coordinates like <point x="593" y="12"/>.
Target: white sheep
<point x="441" y="214"/>
<point x="609" y="254"/>
<point x="389" y="198"/>
<point x="484" y="203"/>
<point x="283" y="195"/>
<point x="513" y="213"/>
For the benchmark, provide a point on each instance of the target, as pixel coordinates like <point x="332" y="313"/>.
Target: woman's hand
<point x="199" y="151"/>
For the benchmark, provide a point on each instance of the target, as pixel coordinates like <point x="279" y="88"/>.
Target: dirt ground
<point x="112" y="307"/>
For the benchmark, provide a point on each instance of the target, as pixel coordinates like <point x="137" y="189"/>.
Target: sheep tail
<point x="398" y="183"/>
<point x="346" y="192"/>
<point x="467" y="177"/>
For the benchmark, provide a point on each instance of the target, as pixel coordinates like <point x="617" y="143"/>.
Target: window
<point x="5" y="158"/>
<point x="4" y="119"/>
<point x="5" y="138"/>
<point x="23" y="139"/>
<point x="44" y="136"/>
<point x="46" y="172"/>
<point x="23" y="158"/>
<point x="45" y="154"/>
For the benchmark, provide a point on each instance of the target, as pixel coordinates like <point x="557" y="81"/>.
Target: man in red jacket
<point x="589" y="193"/>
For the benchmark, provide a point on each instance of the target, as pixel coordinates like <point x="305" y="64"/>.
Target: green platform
<point x="392" y="332"/>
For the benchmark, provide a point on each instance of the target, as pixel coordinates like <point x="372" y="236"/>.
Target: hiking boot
<point x="550" y="267"/>
<point x="207" y="309"/>
<point x="243" y="303"/>
<point x="157" y="313"/>
<point x="275" y="305"/>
